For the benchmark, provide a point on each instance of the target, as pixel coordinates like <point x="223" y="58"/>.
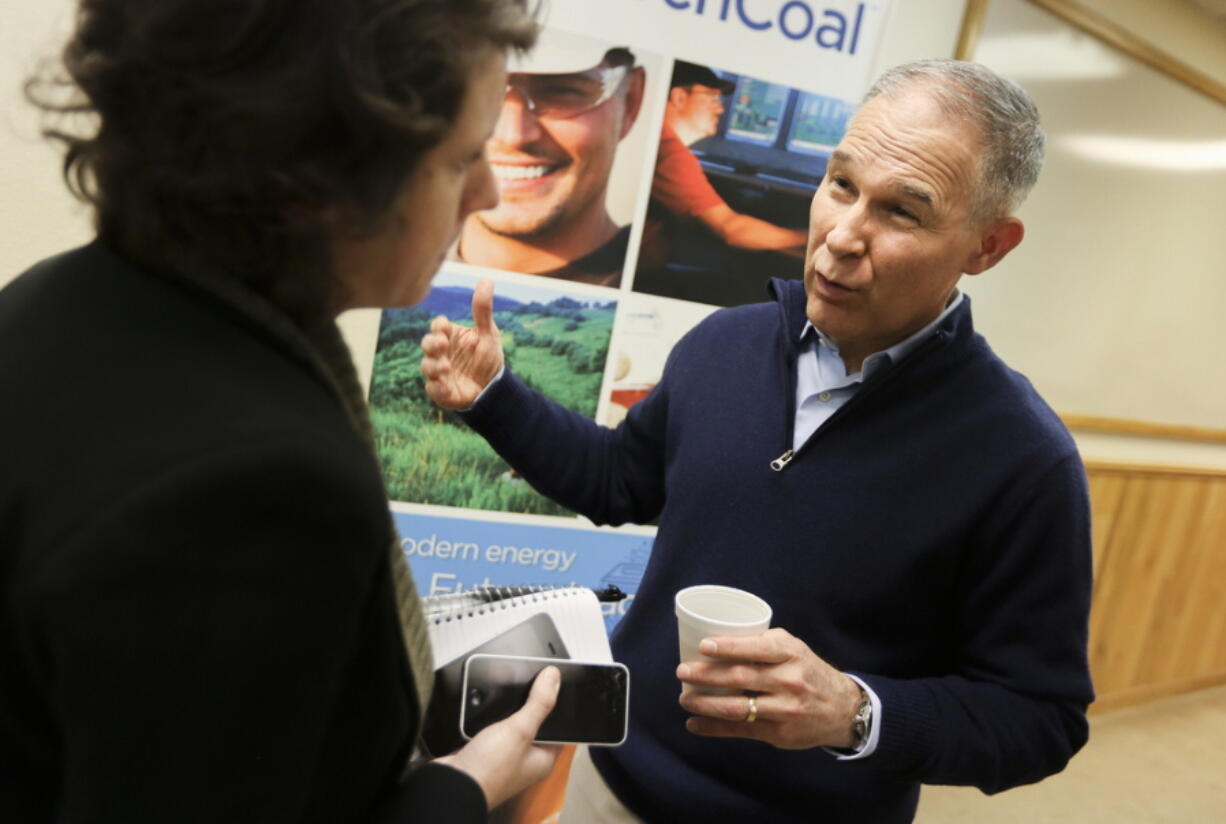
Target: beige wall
<point x="38" y="216"/>
<point x="1113" y="303"/>
<point x="1016" y="312"/>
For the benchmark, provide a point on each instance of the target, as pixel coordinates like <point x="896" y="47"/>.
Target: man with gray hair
<point x="855" y="454"/>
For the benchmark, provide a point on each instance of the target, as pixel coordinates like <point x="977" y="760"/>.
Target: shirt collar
<point x="898" y="351"/>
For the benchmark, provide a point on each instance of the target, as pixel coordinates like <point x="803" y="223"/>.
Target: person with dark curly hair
<point x="205" y="613"/>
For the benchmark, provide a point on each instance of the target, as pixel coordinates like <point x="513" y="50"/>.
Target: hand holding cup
<point x="711" y="610"/>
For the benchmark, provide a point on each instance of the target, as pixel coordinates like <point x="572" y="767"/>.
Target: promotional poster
<point x="626" y="140"/>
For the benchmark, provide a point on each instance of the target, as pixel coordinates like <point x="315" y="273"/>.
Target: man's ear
<point x="996" y="241"/>
<point x="635" y="84"/>
<point x="677" y="96"/>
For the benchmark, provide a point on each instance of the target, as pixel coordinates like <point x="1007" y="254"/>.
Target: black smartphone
<point x="536" y="636"/>
<point x="592" y="703"/>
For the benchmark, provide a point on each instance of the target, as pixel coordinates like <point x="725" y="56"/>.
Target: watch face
<point x="860" y="724"/>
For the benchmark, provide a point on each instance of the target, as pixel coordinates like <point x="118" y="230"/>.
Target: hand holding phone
<point x="503" y="759"/>
<point x="592" y="706"/>
<point x="537" y="636"/>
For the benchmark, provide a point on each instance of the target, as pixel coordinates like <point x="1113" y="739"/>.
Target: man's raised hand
<point x="457" y="361"/>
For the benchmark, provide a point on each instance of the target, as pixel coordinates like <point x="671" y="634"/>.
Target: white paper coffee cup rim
<point x="684" y="613"/>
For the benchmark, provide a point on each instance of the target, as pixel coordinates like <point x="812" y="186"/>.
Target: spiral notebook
<point x="532" y="621"/>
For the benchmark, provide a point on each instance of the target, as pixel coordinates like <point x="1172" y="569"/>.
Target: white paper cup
<point x="707" y="610"/>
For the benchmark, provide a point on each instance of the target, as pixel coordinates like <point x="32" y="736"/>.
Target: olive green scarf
<point x="321" y="347"/>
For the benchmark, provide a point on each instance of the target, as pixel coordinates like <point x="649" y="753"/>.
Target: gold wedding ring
<point x="752" y="715"/>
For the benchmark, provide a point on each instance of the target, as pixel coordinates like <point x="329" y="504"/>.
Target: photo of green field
<point x="554" y="341"/>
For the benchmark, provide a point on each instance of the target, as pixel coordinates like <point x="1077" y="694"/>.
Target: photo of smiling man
<point x="568" y="107"/>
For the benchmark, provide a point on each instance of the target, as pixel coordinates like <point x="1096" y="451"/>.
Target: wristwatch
<point x="862" y="723"/>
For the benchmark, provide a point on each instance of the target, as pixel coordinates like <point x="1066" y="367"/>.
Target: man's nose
<point x="517" y="124"/>
<point x="850" y="233"/>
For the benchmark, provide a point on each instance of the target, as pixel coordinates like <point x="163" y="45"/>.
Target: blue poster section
<point x="457" y="554"/>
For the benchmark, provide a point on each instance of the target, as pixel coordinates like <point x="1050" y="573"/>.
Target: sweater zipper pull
<point x="783" y="460"/>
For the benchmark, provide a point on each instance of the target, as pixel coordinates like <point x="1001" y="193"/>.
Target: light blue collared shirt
<point x="822" y="382"/>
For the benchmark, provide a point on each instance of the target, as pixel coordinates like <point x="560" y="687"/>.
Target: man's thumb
<point x="483" y="306"/>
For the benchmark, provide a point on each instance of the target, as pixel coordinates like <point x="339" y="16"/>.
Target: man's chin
<point x="518" y="226"/>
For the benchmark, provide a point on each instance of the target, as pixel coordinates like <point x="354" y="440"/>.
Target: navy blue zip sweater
<point x="932" y="537"/>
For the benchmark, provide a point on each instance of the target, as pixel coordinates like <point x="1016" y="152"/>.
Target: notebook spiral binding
<point x="478" y="601"/>
<point x="487" y="599"/>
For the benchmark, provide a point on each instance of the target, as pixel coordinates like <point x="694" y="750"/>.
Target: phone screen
<point x="592" y="699"/>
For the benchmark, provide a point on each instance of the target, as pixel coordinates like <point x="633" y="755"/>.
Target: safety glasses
<point x="567" y="95"/>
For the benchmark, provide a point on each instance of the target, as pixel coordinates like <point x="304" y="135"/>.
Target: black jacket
<point x="197" y="620"/>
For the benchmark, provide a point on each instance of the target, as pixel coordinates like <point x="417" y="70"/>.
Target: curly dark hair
<point x="229" y="135"/>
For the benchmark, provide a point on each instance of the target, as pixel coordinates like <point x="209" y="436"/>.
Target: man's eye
<point x="563" y="92"/>
<point x="903" y="213"/>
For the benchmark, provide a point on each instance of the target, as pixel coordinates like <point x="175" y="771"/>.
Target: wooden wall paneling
<point x="1107" y="577"/>
<point x="1158" y="622"/>
<point x="1197" y="606"/>
<point x="1208" y="619"/>
<point x="1132" y="598"/>
<point x="1181" y="503"/>
<point x="1106" y="490"/>
<point x="1120" y="610"/>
